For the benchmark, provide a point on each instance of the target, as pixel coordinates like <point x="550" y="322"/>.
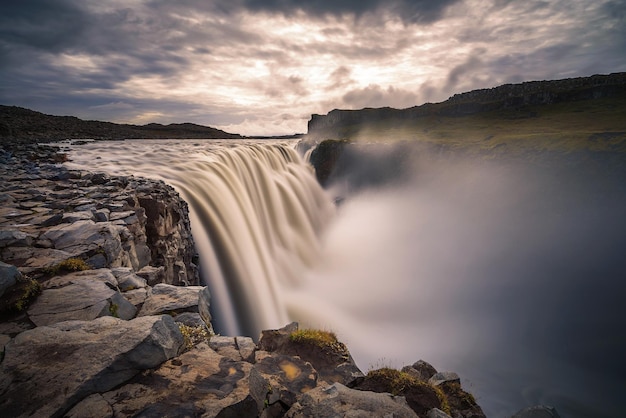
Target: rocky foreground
<point x="102" y="315"/>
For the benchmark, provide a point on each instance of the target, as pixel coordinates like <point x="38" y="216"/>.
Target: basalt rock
<point x="47" y="370"/>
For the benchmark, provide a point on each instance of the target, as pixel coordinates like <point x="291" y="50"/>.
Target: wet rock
<point x="49" y="369"/>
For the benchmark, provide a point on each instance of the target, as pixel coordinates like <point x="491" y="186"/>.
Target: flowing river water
<point x="513" y="278"/>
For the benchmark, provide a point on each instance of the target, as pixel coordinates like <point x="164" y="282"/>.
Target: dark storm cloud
<point x="410" y="10"/>
<point x="424" y="11"/>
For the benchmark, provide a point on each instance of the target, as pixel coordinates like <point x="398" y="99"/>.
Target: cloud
<point x="253" y="60"/>
<point x="375" y="96"/>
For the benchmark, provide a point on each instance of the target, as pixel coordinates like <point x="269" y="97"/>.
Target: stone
<point x="200" y="382"/>
<point x="420" y="370"/>
<point x="338" y="400"/>
<point x="538" y="411"/>
<point x="72" y="217"/>
<point x="235" y="348"/>
<point x="444" y="377"/>
<point x="79" y="300"/>
<point x="191" y="319"/>
<point x="86" y="238"/>
<point x="33" y="260"/>
<point x="437" y="413"/>
<point x="12" y="238"/>
<point x="333" y="362"/>
<point x="281" y="379"/>
<point x="165" y="298"/>
<point x="127" y="279"/>
<point x="101" y="275"/>
<point x="49" y="369"/>
<point x="94" y="406"/>
<point x="137" y="296"/>
<point x="204" y="305"/>
<point x="8" y="276"/>
<point x="153" y="275"/>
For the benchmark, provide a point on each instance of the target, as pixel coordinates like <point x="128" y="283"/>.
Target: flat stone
<point x="81" y="300"/>
<point x="127" y="279"/>
<point x="71" y="217"/>
<point x="444" y="377"/>
<point x="47" y="370"/>
<point x="166" y="298"/>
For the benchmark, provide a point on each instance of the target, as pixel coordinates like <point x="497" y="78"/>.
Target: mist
<point x="509" y="272"/>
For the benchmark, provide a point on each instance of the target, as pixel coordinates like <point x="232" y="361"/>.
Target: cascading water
<point x="256" y="213"/>
<point x="509" y="274"/>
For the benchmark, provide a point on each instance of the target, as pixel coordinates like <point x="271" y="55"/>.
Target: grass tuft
<point x="194" y="335"/>
<point x="316" y="337"/>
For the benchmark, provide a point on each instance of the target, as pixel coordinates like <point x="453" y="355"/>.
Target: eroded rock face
<point x="50" y="214"/>
<point x="48" y="369"/>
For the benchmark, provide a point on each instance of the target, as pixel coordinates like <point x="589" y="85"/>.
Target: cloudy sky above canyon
<point x="263" y="66"/>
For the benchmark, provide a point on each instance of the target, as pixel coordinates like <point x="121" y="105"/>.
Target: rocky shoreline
<point x="102" y="315"/>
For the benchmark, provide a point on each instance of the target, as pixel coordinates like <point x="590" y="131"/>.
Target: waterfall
<point x="261" y="213"/>
<point x="256" y="212"/>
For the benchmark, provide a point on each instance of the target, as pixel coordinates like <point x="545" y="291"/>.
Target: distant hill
<point x="24" y="124"/>
<point x="569" y="114"/>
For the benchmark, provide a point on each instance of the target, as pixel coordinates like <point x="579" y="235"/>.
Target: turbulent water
<point x="513" y="277"/>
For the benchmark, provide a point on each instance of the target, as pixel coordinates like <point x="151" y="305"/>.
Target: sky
<point x="262" y="67"/>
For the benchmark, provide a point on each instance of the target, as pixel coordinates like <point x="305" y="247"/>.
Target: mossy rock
<point x="421" y="396"/>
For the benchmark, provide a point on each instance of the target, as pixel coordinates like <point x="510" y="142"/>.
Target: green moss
<point x="68" y="266"/>
<point x="30" y="290"/>
<point x="399" y="383"/>
<point x="316" y="337"/>
<point x="113" y="309"/>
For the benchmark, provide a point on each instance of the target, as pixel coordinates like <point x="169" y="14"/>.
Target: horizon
<point x="295" y="134"/>
<point x="263" y="68"/>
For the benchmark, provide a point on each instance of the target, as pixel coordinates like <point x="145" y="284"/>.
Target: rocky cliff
<point x="511" y="100"/>
<point x="24" y="124"/>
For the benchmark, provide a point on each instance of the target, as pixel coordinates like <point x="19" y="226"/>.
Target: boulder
<point x="277" y="380"/>
<point x="235" y="348"/>
<point x="49" y="369"/>
<point x="337" y="400"/>
<point x="332" y="361"/>
<point x="444" y="377"/>
<point x="199" y="382"/>
<point x="127" y="279"/>
<point x="100" y="242"/>
<point x="166" y="298"/>
<point x="80" y="299"/>
<point x="8" y="276"/>
<point x="420" y="370"/>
